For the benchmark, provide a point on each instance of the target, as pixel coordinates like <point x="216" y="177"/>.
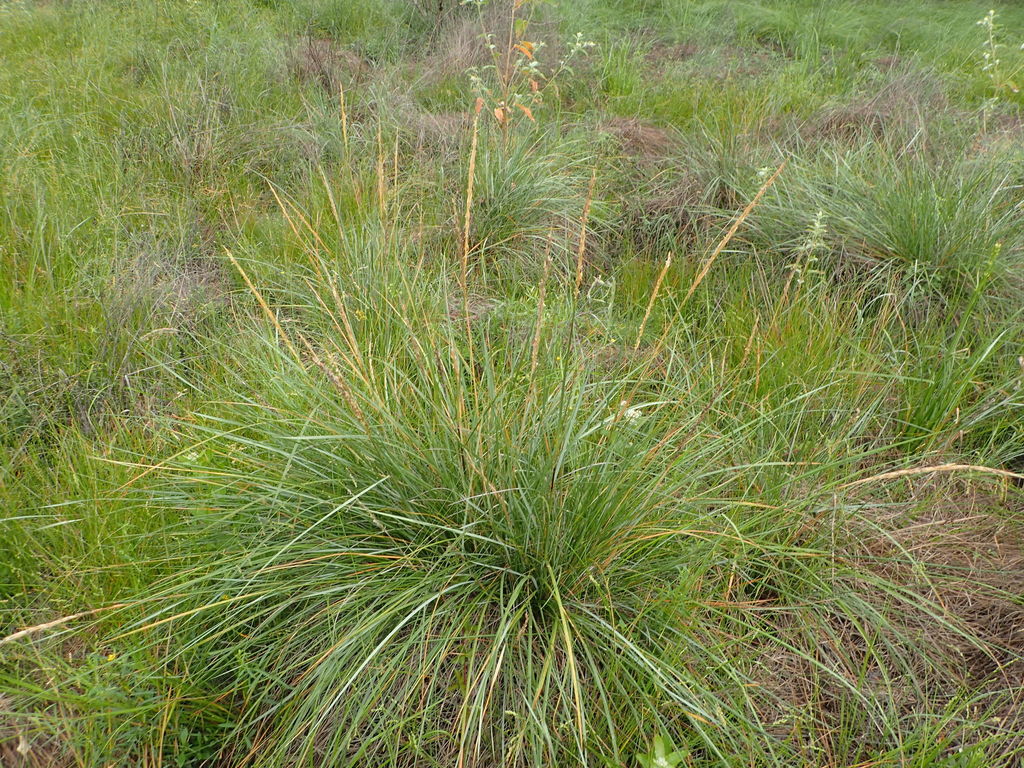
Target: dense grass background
<point x="301" y="464"/>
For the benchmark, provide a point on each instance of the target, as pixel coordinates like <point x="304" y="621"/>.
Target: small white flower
<point x="631" y="413"/>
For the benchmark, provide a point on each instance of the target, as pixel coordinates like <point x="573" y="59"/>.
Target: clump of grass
<point x="509" y="465"/>
<point x="410" y="534"/>
<point x="945" y="225"/>
<point x="527" y="194"/>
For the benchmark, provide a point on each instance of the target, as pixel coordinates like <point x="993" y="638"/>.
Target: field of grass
<point x="612" y="383"/>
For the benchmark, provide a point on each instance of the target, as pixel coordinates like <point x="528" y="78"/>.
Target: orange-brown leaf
<point x="527" y="112"/>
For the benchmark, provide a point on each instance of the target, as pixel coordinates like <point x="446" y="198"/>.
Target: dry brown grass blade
<point x="714" y="255"/>
<point x="344" y="115"/>
<point x="57" y="622"/>
<point x="334" y="213"/>
<point x="468" y="216"/>
<point x="732" y="231"/>
<point x="932" y="469"/>
<point x="336" y="378"/>
<point x="313" y="230"/>
<point x="584" y="218"/>
<point x="464" y="277"/>
<point x="650" y="304"/>
<point x="266" y="309"/>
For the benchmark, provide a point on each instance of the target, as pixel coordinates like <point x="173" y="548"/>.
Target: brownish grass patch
<point x="904" y="105"/>
<point x="643" y="141"/>
<point x="320" y="60"/>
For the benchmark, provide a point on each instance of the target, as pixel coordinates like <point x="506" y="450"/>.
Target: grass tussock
<point x="438" y="384"/>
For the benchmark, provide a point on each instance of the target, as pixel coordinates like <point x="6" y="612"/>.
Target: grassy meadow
<point x="533" y="384"/>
